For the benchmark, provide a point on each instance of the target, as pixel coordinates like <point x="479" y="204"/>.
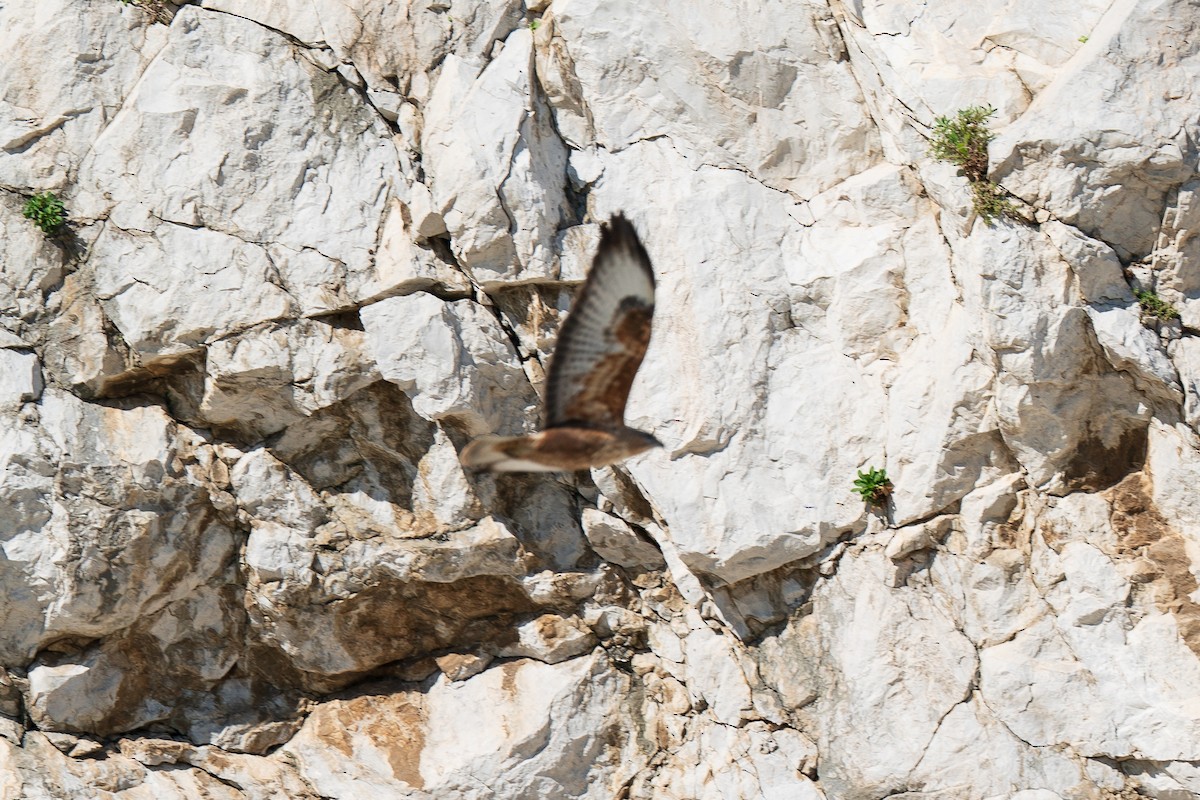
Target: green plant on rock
<point x="534" y="24"/>
<point x="963" y="141"/>
<point x="873" y="486"/>
<point x="47" y="212"/>
<point x="1154" y="306"/>
<point x="991" y="201"/>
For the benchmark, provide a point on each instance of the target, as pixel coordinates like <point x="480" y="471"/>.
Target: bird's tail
<point x="501" y="454"/>
<point x="485" y="451"/>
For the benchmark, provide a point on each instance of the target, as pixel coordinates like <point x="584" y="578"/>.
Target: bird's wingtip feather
<point x="619" y="234"/>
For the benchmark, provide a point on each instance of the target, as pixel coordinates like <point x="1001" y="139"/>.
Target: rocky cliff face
<point x="315" y="246"/>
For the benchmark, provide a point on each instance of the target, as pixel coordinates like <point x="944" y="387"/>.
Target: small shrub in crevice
<point x="873" y="486"/>
<point x="47" y="213"/>
<point x="991" y="201"/>
<point x="1154" y="306"/>
<point x="963" y="141"/>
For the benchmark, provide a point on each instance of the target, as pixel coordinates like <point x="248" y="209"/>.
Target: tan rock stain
<point x="508" y="678"/>
<point x="1162" y="567"/>
<point x="551" y="627"/>
<point x="399" y="731"/>
<point x="391" y="724"/>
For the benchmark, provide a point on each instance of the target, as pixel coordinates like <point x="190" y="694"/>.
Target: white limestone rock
<point x="380" y="598"/>
<point x="716" y="675"/>
<point x="278" y="553"/>
<point x="941" y="394"/>
<point x="705" y="463"/>
<point x="787" y="445"/>
<point x="208" y="139"/>
<point x="442" y="489"/>
<point x="912" y="539"/>
<point x="1103" y="633"/>
<point x="577" y="247"/>
<point x="452" y="359"/>
<point x="497" y="165"/>
<point x="136" y="677"/>
<point x="461" y="666"/>
<point x="1185" y="356"/>
<point x="68" y="68"/>
<point x="406" y="261"/>
<point x="32" y="265"/>
<point x="267" y="491"/>
<point x="71" y="685"/>
<point x="1045" y="685"/>
<point x="303" y="20"/>
<point x="991" y="599"/>
<point x="82" y="351"/>
<point x="82" y="473"/>
<point x="1097" y="268"/>
<point x="761" y="89"/>
<point x="1177" y="254"/>
<point x="613" y="540"/>
<point x="550" y="638"/>
<point x="986" y="508"/>
<point x="1131" y="347"/>
<point x="436" y="744"/>
<point x="116" y="507"/>
<point x="745" y="762"/>
<point x="1047" y="352"/>
<point x="1173" y="458"/>
<point x="38" y="771"/>
<point x="971" y="734"/>
<point x="981" y="53"/>
<point x="1108" y="126"/>
<point x="893" y="666"/>
<point x="1173" y="777"/>
<point x="183" y="287"/>
<point x="20" y="378"/>
<point x="269" y="377"/>
<point x="392" y="47"/>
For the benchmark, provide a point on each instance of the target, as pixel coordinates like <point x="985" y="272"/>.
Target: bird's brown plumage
<point x="600" y="347"/>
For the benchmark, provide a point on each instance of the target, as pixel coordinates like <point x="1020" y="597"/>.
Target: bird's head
<point x="640" y="441"/>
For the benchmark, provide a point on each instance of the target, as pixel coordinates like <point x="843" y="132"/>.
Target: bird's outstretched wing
<point x="604" y="338"/>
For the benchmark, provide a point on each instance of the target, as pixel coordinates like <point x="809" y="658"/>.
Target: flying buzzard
<point x="600" y="348"/>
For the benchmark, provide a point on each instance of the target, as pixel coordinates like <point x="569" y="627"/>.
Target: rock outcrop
<point x="314" y="247"/>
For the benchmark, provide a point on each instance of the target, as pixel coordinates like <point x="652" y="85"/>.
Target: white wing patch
<point x="595" y="358"/>
<point x="521" y="465"/>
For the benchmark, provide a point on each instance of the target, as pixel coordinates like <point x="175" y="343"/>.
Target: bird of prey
<point x="600" y="347"/>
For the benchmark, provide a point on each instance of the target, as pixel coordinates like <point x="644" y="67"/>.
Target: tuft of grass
<point x="1154" y="306"/>
<point x="873" y="486"/>
<point x="47" y="212"/>
<point x="534" y="24"/>
<point x="1083" y="39"/>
